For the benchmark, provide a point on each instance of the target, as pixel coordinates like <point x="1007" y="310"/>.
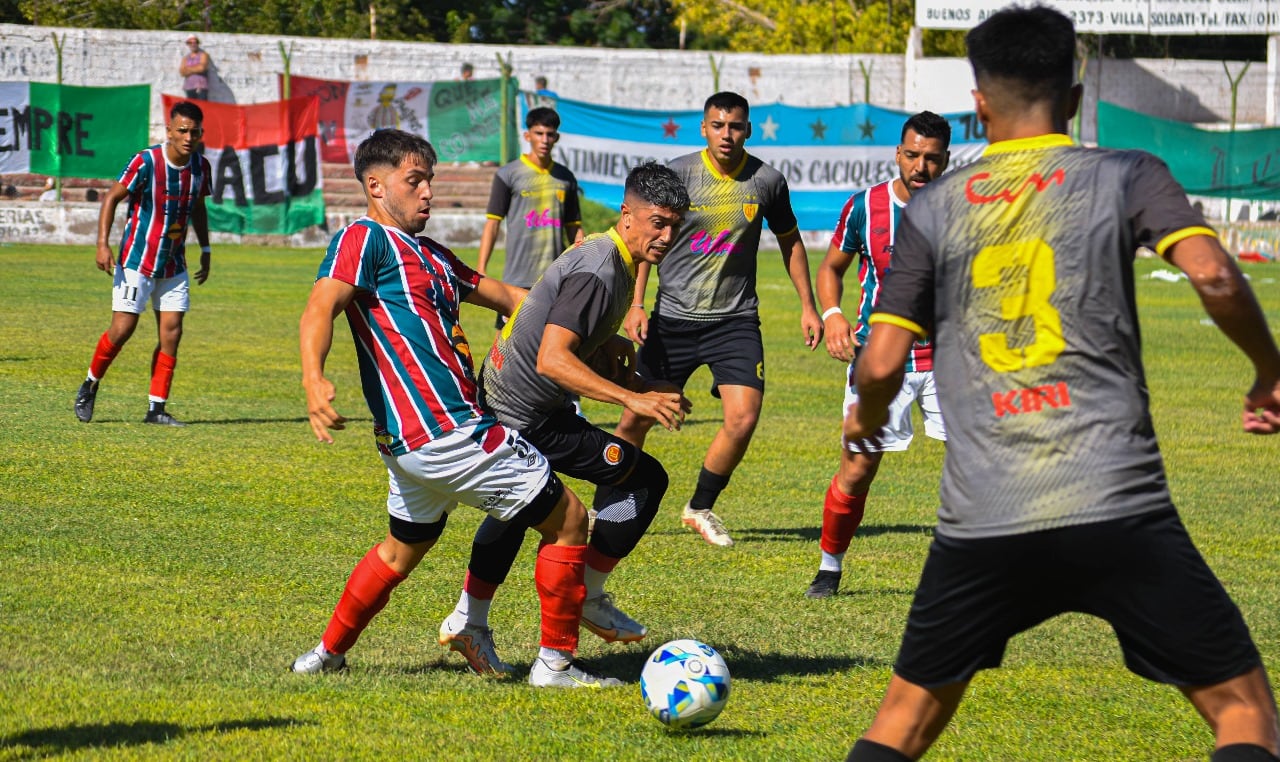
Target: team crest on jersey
<point x="612" y="453"/>
<point x="560" y="195"/>
<point x="749" y="211"/>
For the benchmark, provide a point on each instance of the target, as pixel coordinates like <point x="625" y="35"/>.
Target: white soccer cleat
<point x="610" y="622"/>
<point x="318" y="660"/>
<point x="572" y="676"/>
<point x="708" y="525"/>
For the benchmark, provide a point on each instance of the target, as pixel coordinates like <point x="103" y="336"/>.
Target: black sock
<point x="156" y="407"/>
<point x="708" y="489"/>
<point x="1242" y="752"/>
<point x="870" y="751"/>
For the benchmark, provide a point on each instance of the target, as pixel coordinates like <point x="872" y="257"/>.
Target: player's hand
<point x="636" y="324"/>
<point x="667" y="408"/>
<point x="1262" y="408"/>
<point x="105" y="260"/>
<point x="615" y="360"/>
<point x="202" y="274"/>
<point x="811" y="327"/>
<point x="320" y="395"/>
<point x="861" y="428"/>
<point x="841" y="339"/>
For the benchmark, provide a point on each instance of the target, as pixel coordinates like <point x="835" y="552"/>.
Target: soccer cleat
<point x="572" y="676"/>
<point x="318" y="660"/>
<point x="708" y="525"/>
<point x="161" y="418"/>
<point x="85" y="398"/>
<point x="476" y="646"/>
<point x="825" y="585"/>
<point x="609" y="622"/>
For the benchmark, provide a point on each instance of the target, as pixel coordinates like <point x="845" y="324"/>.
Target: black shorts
<point x="1142" y="574"/>
<point x="732" y="348"/>
<point x="576" y="448"/>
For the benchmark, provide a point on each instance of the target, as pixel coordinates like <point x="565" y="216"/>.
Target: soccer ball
<point x="685" y="684"/>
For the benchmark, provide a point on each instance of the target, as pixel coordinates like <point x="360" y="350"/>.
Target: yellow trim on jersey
<point x="711" y="165"/>
<point x="622" y="249"/>
<point x="529" y="163"/>
<point x="901" y="322"/>
<point x="498" y="217"/>
<point x="1168" y="241"/>
<point x="1050" y="140"/>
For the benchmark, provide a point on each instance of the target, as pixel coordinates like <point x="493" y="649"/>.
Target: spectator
<point x="195" y="71"/>
<point x="540" y="88"/>
<point x="468" y="72"/>
<point x="50" y="192"/>
<point x="91" y="195"/>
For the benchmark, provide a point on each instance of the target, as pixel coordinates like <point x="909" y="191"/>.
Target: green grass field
<point x="157" y="583"/>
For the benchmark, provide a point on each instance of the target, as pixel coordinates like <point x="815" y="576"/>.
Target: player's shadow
<point x="814" y="533"/>
<point x="744" y="664"/>
<point x="48" y="742"/>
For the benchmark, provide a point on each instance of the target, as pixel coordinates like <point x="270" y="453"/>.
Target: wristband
<point x="204" y="249"/>
<point x="637" y="306"/>
<point x="831" y="311"/>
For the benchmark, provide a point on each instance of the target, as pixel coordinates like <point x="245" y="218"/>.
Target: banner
<point x="1243" y="164"/>
<point x="1121" y="16"/>
<point x="825" y="153"/>
<point x="461" y="119"/>
<point x="71" y="131"/>
<point x="266" y="170"/>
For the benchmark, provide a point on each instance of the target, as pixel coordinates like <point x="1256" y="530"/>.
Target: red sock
<point x="841" y="515"/>
<point x="162" y="366"/>
<point x="368" y="590"/>
<point x="478" y="588"/>
<point x="599" y="561"/>
<point x="103" y="354"/>
<point x="558" y="576"/>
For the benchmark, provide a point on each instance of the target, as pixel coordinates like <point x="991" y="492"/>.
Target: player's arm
<point x="329" y="297"/>
<point x="488" y="237"/>
<point x="558" y="361"/>
<point x="200" y="221"/>
<point x="493" y="294"/>
<point x="1230" y="301"/>
<point x="796" y="260"/>
<point x="106" y="217"/>
<point x="840" y="334"/>
<point x="879" y="378"/>
<point x="636" y="323"/>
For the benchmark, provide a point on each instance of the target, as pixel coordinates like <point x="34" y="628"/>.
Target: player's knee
<point x="648" y="475"/>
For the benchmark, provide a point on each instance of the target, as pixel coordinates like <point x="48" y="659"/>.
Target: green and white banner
<point x="71" y="131"/>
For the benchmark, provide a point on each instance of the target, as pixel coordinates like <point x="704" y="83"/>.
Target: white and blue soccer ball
<point x="685" y="684"/>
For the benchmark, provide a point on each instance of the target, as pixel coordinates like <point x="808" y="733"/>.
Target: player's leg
<point x="1242" y="713"/>
<point x="734" y="351"/>
<point x="909" y="720"/>
<point x="171" y="303"/>
<point x="130" y="293"/>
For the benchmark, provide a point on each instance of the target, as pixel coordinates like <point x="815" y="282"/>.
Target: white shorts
<point x="897" y="432"/>
<point x="132" y="290"/>
<point x="495" y="470"/>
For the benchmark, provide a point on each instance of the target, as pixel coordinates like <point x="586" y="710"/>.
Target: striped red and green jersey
<point x="161" y="197"/>
<point x="415" y="362"/>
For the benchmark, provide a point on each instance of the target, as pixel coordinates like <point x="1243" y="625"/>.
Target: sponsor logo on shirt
<point x="987" y="195"/>
<point x="1031" y="400"/>
<point x="543" y="219"/>
<point x="712" y="244"/>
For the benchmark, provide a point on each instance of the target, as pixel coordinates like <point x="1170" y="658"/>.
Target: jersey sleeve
<point x="907" y="297"/>
<point x="206" y="183"/>
<point x="352" y="257"/>
<point x="468" y="279"/>
<point x="572" y="205"/>
<point x="499" y="198"/>
<point x="137" y="173"/>
<point x="1158" y="208"/>
<point x="583" y="301"/>
<point x="779" y="214"/>
<point x="848" y="235"/>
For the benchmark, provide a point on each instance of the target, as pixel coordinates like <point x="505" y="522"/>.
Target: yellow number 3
<point x="1024" y="273"/>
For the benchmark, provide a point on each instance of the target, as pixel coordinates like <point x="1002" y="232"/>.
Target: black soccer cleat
<point x="825" y="585"/>
<point x="161" y="418"/>
<point x="85" y="398"/>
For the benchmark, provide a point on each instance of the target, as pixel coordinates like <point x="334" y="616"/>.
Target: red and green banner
<point x="266" y="167"/>
<point x="71" y="131"/>
<point x="463" y="119"/>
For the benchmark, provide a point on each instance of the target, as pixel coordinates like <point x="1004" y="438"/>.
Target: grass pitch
<point x="157" y="583"/>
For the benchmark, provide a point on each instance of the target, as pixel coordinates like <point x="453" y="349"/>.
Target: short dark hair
<point x="542" y="117"/>
<point x="1029" y="52"/>
<point x="657" y="184"/>
<point x="727" y="101"/>
<point x="927" y="124"/>
<point x="389" y="148"/>
<point x="187" y="109"/>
